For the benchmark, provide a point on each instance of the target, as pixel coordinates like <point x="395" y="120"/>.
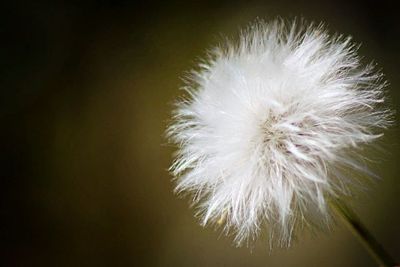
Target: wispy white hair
<point x="271" y="127"/>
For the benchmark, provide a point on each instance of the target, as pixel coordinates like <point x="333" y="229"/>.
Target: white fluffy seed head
<point x="271" y="126"/>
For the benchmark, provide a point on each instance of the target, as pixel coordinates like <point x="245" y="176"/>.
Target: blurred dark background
<point x="86" y="89"/>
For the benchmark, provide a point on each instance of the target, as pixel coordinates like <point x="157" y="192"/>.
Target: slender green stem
<point x="360" y="231"/>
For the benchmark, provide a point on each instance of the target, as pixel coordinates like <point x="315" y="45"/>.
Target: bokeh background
<point x="86" y="89"/>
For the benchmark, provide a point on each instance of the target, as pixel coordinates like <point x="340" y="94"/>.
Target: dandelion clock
<point x="270" y="131"/>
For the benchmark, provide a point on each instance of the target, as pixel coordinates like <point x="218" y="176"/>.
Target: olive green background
<point x="86" y="91"/>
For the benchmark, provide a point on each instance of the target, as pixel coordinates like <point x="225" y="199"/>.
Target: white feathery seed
<point x="271" y="127"/>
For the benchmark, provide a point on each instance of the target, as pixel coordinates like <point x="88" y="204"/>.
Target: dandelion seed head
<point x="271" y="126"/>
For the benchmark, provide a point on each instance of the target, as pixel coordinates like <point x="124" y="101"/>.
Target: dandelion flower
<point x="271" y="127"/>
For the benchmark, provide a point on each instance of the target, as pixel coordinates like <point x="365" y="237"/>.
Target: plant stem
<point x="358" y="229"/>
